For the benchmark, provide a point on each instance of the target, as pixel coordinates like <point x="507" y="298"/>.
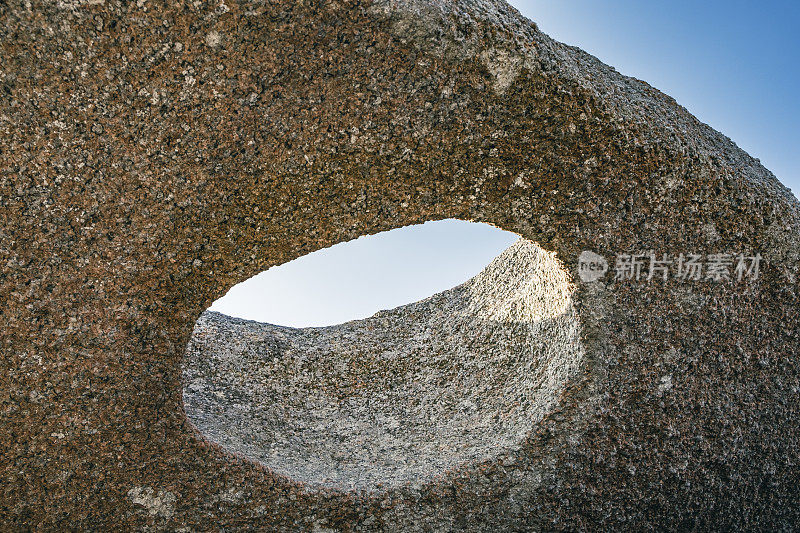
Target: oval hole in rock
<point x="356" y="279"/>
<point x="401" y="396"/>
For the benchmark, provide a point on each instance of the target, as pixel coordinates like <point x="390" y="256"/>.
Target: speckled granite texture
<point x="152" y="156"/>
<point x="398" y="398"/>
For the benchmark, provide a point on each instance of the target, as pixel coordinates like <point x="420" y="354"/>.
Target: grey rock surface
<point x="400" y="397"/>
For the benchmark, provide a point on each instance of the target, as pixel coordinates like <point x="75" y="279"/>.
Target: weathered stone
<point x="155" y="155"/>
<point x="398" y="398"/>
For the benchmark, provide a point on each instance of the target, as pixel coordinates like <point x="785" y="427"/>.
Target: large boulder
<point x="155" y="155"/>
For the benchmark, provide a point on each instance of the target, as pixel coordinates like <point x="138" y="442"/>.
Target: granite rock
<point x="154" y="154"/>
<point x="401" y="397"/>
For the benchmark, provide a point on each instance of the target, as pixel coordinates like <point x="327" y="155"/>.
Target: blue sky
<point x="734" y="64"/>
<point x="357" y="278"/>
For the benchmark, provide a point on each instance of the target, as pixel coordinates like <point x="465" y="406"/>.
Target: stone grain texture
<point x="398" y="398"/>
<point x="153" y="155"/>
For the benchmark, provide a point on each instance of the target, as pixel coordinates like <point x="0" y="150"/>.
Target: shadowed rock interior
<point x="398" y="397"/>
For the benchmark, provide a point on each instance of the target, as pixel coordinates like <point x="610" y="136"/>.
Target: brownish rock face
<point x="152" y="156"/>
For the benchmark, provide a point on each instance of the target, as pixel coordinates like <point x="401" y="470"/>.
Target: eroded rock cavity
<point x="398" y="397"/>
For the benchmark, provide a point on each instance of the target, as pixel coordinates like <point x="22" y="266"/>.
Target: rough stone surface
<point x="155" y="154"/>
<point x="400" y="397"/>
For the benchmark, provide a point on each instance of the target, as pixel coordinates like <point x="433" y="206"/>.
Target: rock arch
<point x="161" y="154"/>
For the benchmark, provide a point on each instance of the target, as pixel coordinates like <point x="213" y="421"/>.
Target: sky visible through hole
<point x="354" y="279"/>
<point x="733" y="64"/>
